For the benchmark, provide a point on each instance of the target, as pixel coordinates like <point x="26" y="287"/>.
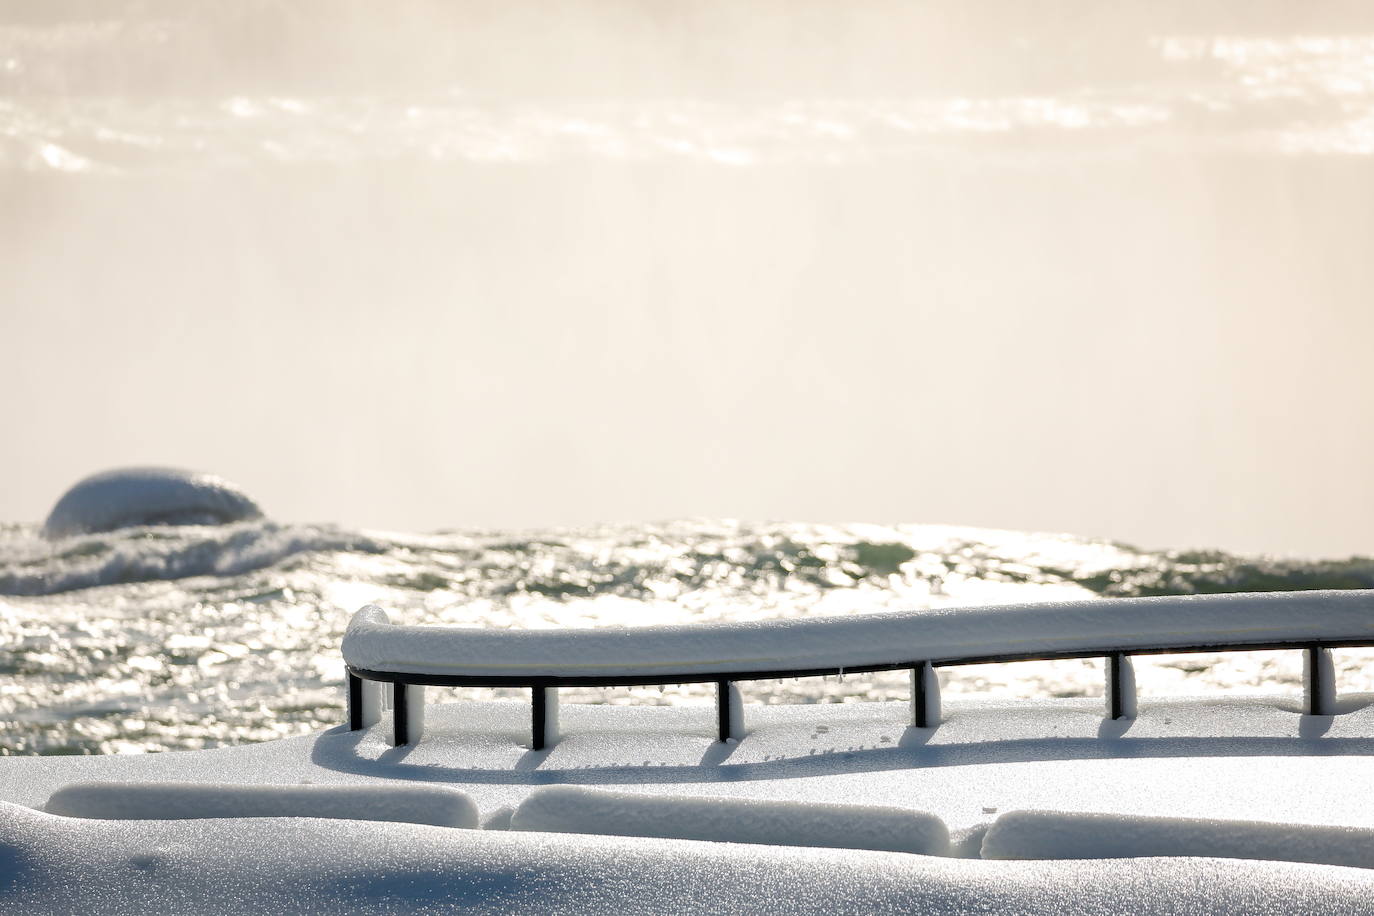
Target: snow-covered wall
<point x="1061" y="835"/>
<point x="438" y="806"/>
<point x="372" y="642"/>
<point x="571" y="809"/>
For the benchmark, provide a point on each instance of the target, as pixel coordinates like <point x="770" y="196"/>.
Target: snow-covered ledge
<point x="377" y="651"/>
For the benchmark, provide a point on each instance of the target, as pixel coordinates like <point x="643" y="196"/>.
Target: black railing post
<point x="539" y="701"/>
<point x="925" y="696"/>
<point x="1114" y="685"/>
<point x="723" y="710"/>
<point x="400" y="722"/>
<point x="918" y="699"/>
<point x="1319" y="681"/>
<point x="1314" y="681"/>
<point x="1121" y="699"/>
<point x="355" y="702"/>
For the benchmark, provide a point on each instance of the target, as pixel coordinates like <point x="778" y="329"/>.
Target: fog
<point x="1065" y="267"/>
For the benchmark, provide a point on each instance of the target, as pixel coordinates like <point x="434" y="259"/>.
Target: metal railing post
<point x="925" y="696"/>
<point x="355" y="702"/>
<point x="400" y="715"/>
<point x="729" y="711"/>
<point x="1319" y="681"/>
<point x="544" y="701"/>
<point x="364" y="702"/>
<point x="407" y="713"/>
<point x="1121" y="693"/>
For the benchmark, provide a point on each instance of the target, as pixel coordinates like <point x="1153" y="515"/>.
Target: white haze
<point x="1065" y="266"/>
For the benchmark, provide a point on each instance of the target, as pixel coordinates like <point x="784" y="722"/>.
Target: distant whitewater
<point x="159" y="638"/>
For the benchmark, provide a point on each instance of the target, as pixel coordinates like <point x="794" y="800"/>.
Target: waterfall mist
<point x="1055" y="266"/>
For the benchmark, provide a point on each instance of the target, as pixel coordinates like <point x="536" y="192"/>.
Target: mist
<point x="1101" y="270"/>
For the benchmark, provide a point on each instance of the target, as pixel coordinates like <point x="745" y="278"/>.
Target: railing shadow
<point x="338" y="750"/>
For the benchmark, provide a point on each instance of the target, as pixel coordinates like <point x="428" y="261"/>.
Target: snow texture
<point x="372" y="642"/>
<point x="297" y="865"/>
<point x="1058" y="835"/>
<point x="438" y="806"/>
<point x="147" y="496"/>
<point x="569" y="809"/>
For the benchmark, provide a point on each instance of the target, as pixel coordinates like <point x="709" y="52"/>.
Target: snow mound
<point x="127" y="497"/>
<point x="298" y="865"/>
<point x="439" y="806"/>
<point x="1056" y="835"/>
<point x="371" y="642"/>
<point x="569" y="809"/>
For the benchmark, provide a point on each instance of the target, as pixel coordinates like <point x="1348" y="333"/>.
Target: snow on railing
<point x="412" y="657"/>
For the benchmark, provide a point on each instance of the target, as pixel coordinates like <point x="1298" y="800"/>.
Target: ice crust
<point x="571" y="809"/>
<point x="372" y="642"/>
<point x="438" y="806"/>
<point x="1073" y="835"/>
<point x="257" y="865"/>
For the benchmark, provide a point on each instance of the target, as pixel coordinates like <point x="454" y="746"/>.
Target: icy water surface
<point x="179" y="638"/>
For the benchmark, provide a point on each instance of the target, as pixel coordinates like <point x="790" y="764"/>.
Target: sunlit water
<point x="167" y="638"/>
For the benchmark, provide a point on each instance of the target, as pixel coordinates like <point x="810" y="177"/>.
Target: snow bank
<point x="1055" y="835"/>
<point x="371" y="642"/>
<point x="568" y="809"/>
<point x="439" y="806"/>
<point x="298" y="865"/>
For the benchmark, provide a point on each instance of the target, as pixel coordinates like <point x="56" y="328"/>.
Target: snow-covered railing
<point x="413" y="657"/>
